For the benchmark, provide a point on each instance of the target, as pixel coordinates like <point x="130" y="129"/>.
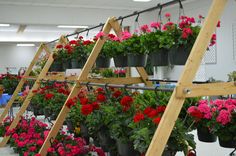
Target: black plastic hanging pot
<point x="179" y="55"/>
<point x="74" y="63"/>
<point x="205" y="135"/>
<point x="105" y="140"/>
<point x="227" y="143"/>
<point x="56" y="66"/>
<point x="66" y="65"/>
<point x="103" y="62"/>
<point x="121" y="61"/>
<point x="126" y="149"/>
<point x="137" y="60"/>
<point x="159" y="58"/>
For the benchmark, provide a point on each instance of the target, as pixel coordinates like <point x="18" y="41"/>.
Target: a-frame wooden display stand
<point x="83" y="77"/>
<point x="43" y="47"/>
<point x="185" y="88"/>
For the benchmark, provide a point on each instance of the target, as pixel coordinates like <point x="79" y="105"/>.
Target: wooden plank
<point x="130" y="80"/>
<point x="83" y="76"/>
<point x="175" y="104"/>
<point x="21" y="83"/>
<point x="144" y="76"/>
<point x="195" y="90"/>
<point x="29" y="97"/>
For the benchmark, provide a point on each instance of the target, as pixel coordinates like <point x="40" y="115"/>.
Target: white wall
<point x="225" y="63"/>
<point x="13" y="56"/>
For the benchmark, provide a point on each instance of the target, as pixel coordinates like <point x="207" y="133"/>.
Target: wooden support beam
<point x="144" y="76"/>
<point x="195" y="90"/>
<point x="21" y="83"/>
<point x="175" y="104"/>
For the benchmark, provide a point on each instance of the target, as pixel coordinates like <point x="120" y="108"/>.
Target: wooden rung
<point x="195" y="90"/>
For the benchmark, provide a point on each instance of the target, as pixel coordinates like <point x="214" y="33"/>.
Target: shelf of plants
<point x="118" y="120"/>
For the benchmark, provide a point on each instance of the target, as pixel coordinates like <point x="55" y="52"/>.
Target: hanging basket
<point x="126" y="149"/>
<point x="74" y="63"/>
<point x="103" y="62"/>
<point x="205" y="135"/>
<point x="227" y="143"/>
<point x="179" y="56"/>
<point x="56" y="66"/>
<point x="137" y="60"/>
<point x="105" y="140"/>
<point x="121" y="61"/>
<point x="84" y="132"/>
<point x="159" y="58"/>
<point x="66" y="65"/>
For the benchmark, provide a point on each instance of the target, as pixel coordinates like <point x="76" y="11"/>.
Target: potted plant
<point x="104" y="57"/>
<point x="137" y="55"/>
<point x="202" y="115"/>
<point x="151" y="41"/>
<point x="79" y="54"/>
<point x="232" y="76"/>
<point x="116" y="50"/>
<point x="224" y="122"/>
<point x="9" y="83"/>
<point x="63" y="54"/>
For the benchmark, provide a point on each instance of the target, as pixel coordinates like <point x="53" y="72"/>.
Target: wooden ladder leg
<point x="21" y="83"/>
<point x="29" y="97"/>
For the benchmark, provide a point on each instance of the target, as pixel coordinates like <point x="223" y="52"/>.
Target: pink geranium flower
<point x="155" y="25"/>
<point x="224" y="117"/>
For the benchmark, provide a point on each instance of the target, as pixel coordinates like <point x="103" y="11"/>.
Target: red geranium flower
<point x="161" y="109"/>
<point x="87" y="109"/>
<point x="138" y="117"/>
<point x="126" y="101"/>
<point x="59" y="46"/>
<point x="70" y="103"/>
<point x="147" y="110"/>
<point x="153" y="113"/>
<point x="95" y="105"/>
<point x="117" y="94"/>
<point x="156" y="120"/>
<point x="48" y="96"/>
<point x="73" y="42"/>
<point x="68" y="48"/>
<point x="101" y="98"/>
<point x="83" y="101"/>
<point x="100" y="90"/>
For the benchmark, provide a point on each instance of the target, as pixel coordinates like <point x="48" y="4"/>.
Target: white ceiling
<point x="109" y="4"/>
<point x="42" y="16"/>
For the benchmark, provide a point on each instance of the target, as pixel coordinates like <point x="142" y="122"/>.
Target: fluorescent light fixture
<point x="25" y="45"/>
<point x="73" y="26"/>
<point x="141" y="0"/>
<point x="4" y="25"/>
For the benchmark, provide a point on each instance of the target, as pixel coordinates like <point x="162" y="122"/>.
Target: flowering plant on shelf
<point x="9" y="82"/>
<point x="78" y="51"/>
<point x="150" y="39"/>
<point x="132" y="44"/>
<point x="151" y="107"/>
<point x="50" y="97"/>
<point x="4" y="126"/>
<point x="202" y="114"/>
<point x="224" y="119"/>
<point x="30" y="134"/>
